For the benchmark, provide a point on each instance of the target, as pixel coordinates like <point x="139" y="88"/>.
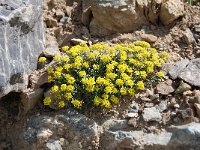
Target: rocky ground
<point x="164" y="117"/>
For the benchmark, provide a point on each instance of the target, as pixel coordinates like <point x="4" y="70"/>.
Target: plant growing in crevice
<point x="100" y="75"/>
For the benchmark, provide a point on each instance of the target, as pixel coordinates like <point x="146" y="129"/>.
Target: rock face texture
<point x="105" y="17"/>
<point x="171" y="10"/>
<point x="70" y="130"/>
<point x="115" y="16"/>
<point x="65" y="130"/>
<point x="21" y="42"/>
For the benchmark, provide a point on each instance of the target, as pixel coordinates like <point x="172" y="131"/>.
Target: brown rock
<point x="38" y="78"/>
<point x="59" y="13"/>
<point x="170" y="11"/>
<point x="197" y="106"/>
<point x="68" y="11"/>
<point x="29" y="98"/>
<point x="86" y="16"/>
<point x="111" y="17"/>
<point x="149" y="38"/>
<point x="51" y="22"/>
<point x="165" y="88"/>
<point x="132" y="122"/>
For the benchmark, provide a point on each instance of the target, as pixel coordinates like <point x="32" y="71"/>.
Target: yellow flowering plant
<point x="99" y="75"/>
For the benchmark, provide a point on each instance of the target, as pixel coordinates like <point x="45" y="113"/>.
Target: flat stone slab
<point x="191" y="73"/>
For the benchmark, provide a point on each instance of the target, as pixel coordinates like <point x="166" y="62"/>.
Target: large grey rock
<point x="177" y="68"/>
<point x="191" y="73"/>
<point x="178" y="137"/>
<point x="21" y="42"/>
<point x="188" y="37"/>
<point x="152" y="114"/>
<point x="67" y="130"/>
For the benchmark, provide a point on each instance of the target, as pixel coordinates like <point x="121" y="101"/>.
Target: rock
<point x="59" y="14"/>
<point x="77" y="41"/>
<point x="188" y="37"/>
<point x="191" y="73"/>
<point x="182" y="88"/>
<point x="172" y="101"/>
<point x="115" y="124"/>
<point x="134" y="140"/>
<point x="176" y="106"/>
<point x="148" y="105"/>
<point x="185" y="136"/>
<point x="152" y="11"/>
<point x="170" y="11"/>
<point x="81" y="132"/>
<point x="132" y="122"/>
<point x="52" y="48"/>
<point x="151" y="114"/>
<point x="86" y="16"/>
<point x="162" y="106"/>
<point x="64" y="20"/>
<point x="176" y="137"/>
<point x="177" y="68"/>
<point x="132" y="115"/>
<point x="124" y="16"/>
<point x="51" y="22"/>
<point x="195" y="99"/>
<point x="197" y="106"/>
<point x="22" y="40"/>
<point x="54" y="145"/>
<point x="149" y="38"/>
<point x="29" y="98"/>
<point x="38" y="78"/>
<point x="165" y="88"/>
<point x="196" y="92"/>
<point x="197" y="28"/>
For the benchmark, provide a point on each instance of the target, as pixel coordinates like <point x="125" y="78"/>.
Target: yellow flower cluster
<point x="42" y="60"/>
<point x="99" y="75"/>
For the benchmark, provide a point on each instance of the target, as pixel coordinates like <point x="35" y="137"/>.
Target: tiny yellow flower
<point x="140" y="85"/>
<point x="65" y="48"/>
<point x="86" y="64"/>
<point x="57" y="57"/>
<point x="131" y="92"/>
<point x="54" y="89"/>
<point x="63" y="87"/>
<point x="61" y="104"/>
<point x="57" y="75"/>
<point x="119" y="82"/>
<point x="42" y="60"/>
<point x="47" y="101"/>
<point x="143" y="74"/>
<point x="160" y="74"/>
<point x="69" y="88"/>
<point x="67" y="66"/>
<point x="97" y="101"/>
<point x="65" y="58"/>
<point x="105" y="96"/>
<point x="108" y="89"/>
<point x="77" y="103"/>
<point x="50" y="70"/>
<point x="68" y="96"/>
<point x="106" y="103"/>
<point x="50" y="79"/>
<point x="114" y="99"/>
<point x="82" y="73"/>
<point x="123" y="91"/>
<point x="95" y="67"/>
